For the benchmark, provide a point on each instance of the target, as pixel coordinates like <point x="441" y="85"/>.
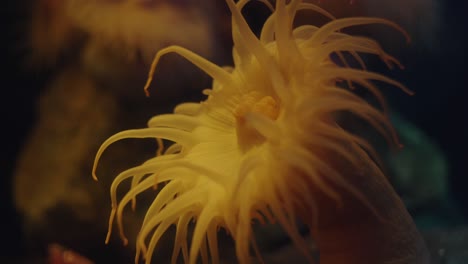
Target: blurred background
<point x="74" y="72"/>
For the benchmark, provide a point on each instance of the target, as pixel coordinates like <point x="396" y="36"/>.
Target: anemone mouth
<point x="254" y="110"/>
<point x="250" y="150"/>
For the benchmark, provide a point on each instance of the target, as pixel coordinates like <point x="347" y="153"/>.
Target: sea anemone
<point x="267" y="131"/>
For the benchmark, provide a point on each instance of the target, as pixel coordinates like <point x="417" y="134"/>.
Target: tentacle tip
<point x="95" y="178"/>
<point x="399" y="64"/>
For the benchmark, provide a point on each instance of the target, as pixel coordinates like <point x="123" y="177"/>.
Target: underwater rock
<point x="419" y="171"/>
<point x="110" y="44"/>
<point x="139" y="29"/>
<point x="52" y="191"/>
<point x="420" y="174"/>
<point x="449" y="245"/>
<point x="52" y="159"/>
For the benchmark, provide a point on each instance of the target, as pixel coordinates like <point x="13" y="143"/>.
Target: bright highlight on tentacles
<point x="235" y="155"/>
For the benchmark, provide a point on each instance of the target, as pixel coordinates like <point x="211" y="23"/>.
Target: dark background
<point x="440" y="106"/>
